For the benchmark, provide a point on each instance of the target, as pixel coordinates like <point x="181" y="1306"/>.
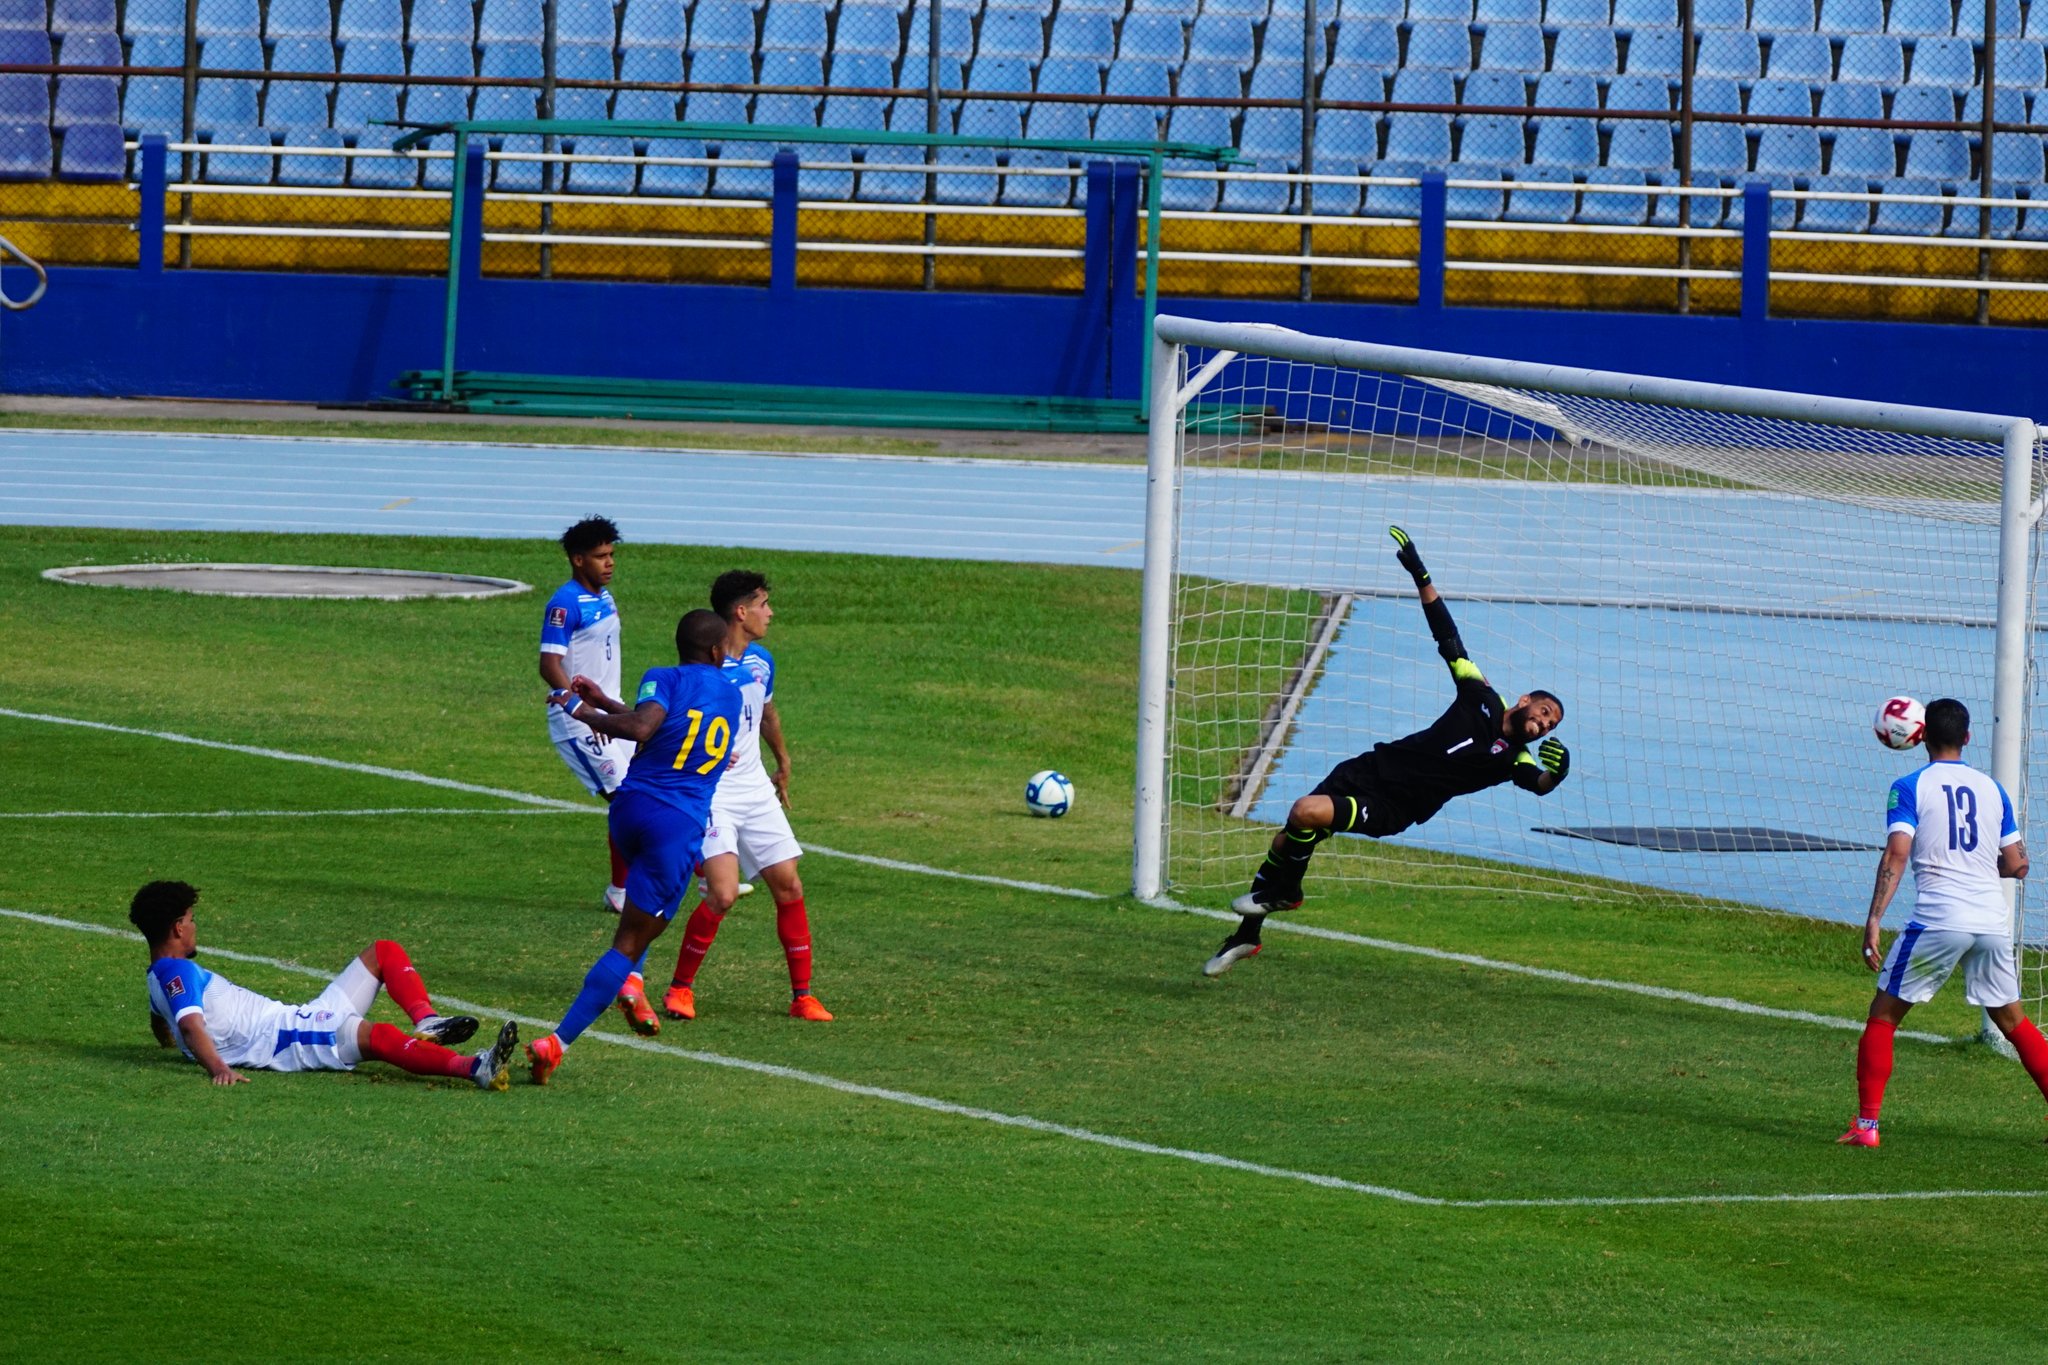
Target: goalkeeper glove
<point x="1555" y="758"/>
<point x="1407" y="557"/>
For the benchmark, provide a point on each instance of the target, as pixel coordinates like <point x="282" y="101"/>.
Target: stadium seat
<point x="1210" y="80"/>
<point x="442" y="103"/>
<point x="2016" y="157"/>
<point x="1419" y="137"/>
<point x="1001" y="74"/>
<point x="441" y="21"/>
<point x="293" y="107"/>
<point x="92" y="152"/>
<point x="2020" y="63"/>
<point x="382" y="172"/>
<point x="2011" y="107"/>
<point x="1937" y="156"/>
<point x="1572" y="143"/>
<point x="1262" y="196"/>
<point x="1284" y="42"/>
<point x="1716" y="95"/>
<point x="24" y="151"/>
<point x="1351" y="81"/>
<point x="722" y="24"/>
<point x="1846" y="17"/>
<point x="328" y="172"/>
<point x="517" y="176"/>
<point x="864" y="29"/>
<point x="1440" y="11"/>
<point x="1807" y="57"/>
<point x="1493" y="140"/>
<point x="1613" y="210"/>
<point x="956" y="32"/>
<point x="722" y="66"/>
<point x="1424" y="85"/>
<point x="1349" y="11"/>
<point x="1653" y="15"/>
<point x="224" y="102"/>
<point x="32" y="47"/>
<point x="24" y="99"/>
<point x="1895" y="218"/>
<point x="1566" y="90"/>
<point x="238" y="168"/>
<point x="1393" y="201"/>
<point x="580" y="62"/>
<point x="1562" y="14"/>
<point x="357" y="107"/>
<point x="1372" y="42"/>
<point x="1271" y="134"/>
<point x="1541" y="206"/>
<point x="1720" y="14"/>
<point x="1113" y="8"/>
<point x="97" y="16"/>
<point x="600" y="177"/>
<point x="1336" y="154"/>
<point x="1657" y="52"/>
<point x="1508" y="12"/>
<point x="1345" y="140"/>
<point x="1590" y="51"/>
<point x="594" y="21"/>
<point x="1251" y="9"/>
<point x="1088" y="37"/>
<point x="1039" y="191"/>
<point x="1781" y="16"/>
<point x="1639" y="145"/>
<point x="1495" y="89"/>
<point x="1154" y="37"/>
<point x="1836" y="215"/>
<point x="154" y="104"/>
<point x="1925" y="18"/>
<point x="1781" y="99"/>
<point x="1071" y="76"/>
<point x="1923" y="104"/>
<point x="983" y="118"/>
<point x="1850" y="99"/>
<point x="1864" y="152"/>
<point x="141" y="20"/>
<point x="1945" y="61"/>
<point x="228" y="18"/>
<point x="1875" y="57"/>
<point x="792" y="28"/>
<point x="1720" y="152"/>
<point x="1273" y="79"/>
<point x="380" y="20"/>
<point x="1470" y="204"/>
<point x="1131" y="77"/>
<point x="1127" y="123"/>
<point x="24" y="16"/>
<point x="1735" y="55"/>
<point x="1793" y="153"/>
<point x="860" y="71"/>
<point x="636" y="106"/>
<point x="299" y="19"/>
<point x="1646" y="93"/>
<point x="1505" y="47"/>
<point x="1970" y="19"/>
<point x="797" y="68"/>
<point x="1012" y="33"/>
<point x="675" y="182"/>
<point x="511" y="21"/>
<point x="86" y="99"/>
<point x="515" y="61"/>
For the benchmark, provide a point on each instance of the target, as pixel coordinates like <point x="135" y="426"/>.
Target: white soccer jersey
<point x="246" y="1028"/>
<point x="582" y="627"/>
<point x="1959" y="819"/>
<point x="754" y="674"/>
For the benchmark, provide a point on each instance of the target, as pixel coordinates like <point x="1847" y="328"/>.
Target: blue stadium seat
<point x="1639" y="145"/>
<point x="2036" y="27"/>
<point x="1127" y="123"/>
<point x="637" y="106"/>
<point x="1505" y="47"/>
<point x="1069" y="122"/>
<point x="1211" y="126"/>
<point x="1419" y="137"/>
<point x="1352" y="81"/>
<point x="228" y="18"/>
<point x="1113" y="8"/>
<point x="1836" y="215"/>
<point x="1039" y="191"/>
<point x="722" y="66"/>
<point x="1781" y="16"/>
<point x="1966" y="220"/>
<point x="295" y="106"/>
<point x="600" y="177"/>
<point x="786" y="111"/>
<point x="1573" y="143"/>
<point x="794" y="68"/>
<point x="441" y="21"/>
<point x="1012" y="33"/>
<point x="1000" y="74"/>
<point x="1938" y="156"/>
<point x="722" y="24"/>
<point x="24" y="151"/>
<point x="674" y="182"/>
<point x="1440" y="11"/>
<point x="1613" y="210"/>
<point x="1784" y="212"/>
<point x="792" y="28"/>
<point x="154" y="104"/>
<point x="1131" y="77"/>
<point x="1275" y="79"/>
<point x="440" y="103"/>
<point x="1720" y="152"/>
<point x="1271" y="135"/>
<point x="443" y="59"/>
<point x="1716" y="95"/>
<point x="238" y="168"/>
<point x="369" y="19"/>
<point x="1654" y="15"/>
<point x="1349" y="11"/>
<point x="1735" y="55"/>
<point x="1807" y="57"/>
<point x="1255" y="9"/>
<point x="1508" y="12"/>
<point x="956" y="31"/>
<point x="1851" y="16"/>
<point x="1657" y="52"/>
<point x="24" y="99"/>
<point x="1648" y="93"/>
<point x="1284" y="42"/>
<point x="1865" y="152"/>
<point x="1720" y="14"/>
<point x="382" y="172"/>
<point x="1495" y="88"/>
<point x="310" y="55"/>
<point x="91" y="15"/>
<point x="357" y="107"/>
<point x="1091" y="37"/>
<point x="578" y="62"/>
<point x="70" y="16"/>
<point x="2034" y="223"/>
<point x="86" y="99"/>
<point x="1374" y="42"/>
<point x="299" y="19"/>
<point x="2020" y="63"/>
<point x="1469" y="204"/>
<point x="515" y="61"/>
<point x="1781" y="99"/>
<point x="979" y="118"/>
<point x="509" y="21"/>
<point x="1559" y="14"/>
<point x="1340" y="149"/>
<point x="517" y="176"/>
<point x="2016" y="157"/>
<point x="1393" y="201"/>
<point x="1970" y="19"/>
<point x="1423" y="85"/>
<point x="1566" y="90"/>
<point x="1875" y="57"/>
<point x="1924" y="104"/>
<point x="1786" y="151"/>
<point x="1908" y="220"/>
<point x="1262" y="196"/>
<point x="1071" y="76"/>
<point x="1850" y="99"/>
<point x="1925" y="18"/>
<point x="1542" y="206"/>
<point x="1210" y="80"/>
<point x="594" y="21"/>
<point x="31" y="47"/>
<point x="865" y="28"/>
<point x="224" y="102"/>
<point x="93" y="152"/>
<point x="2011" y="107"/>
<point x="860" y="71"/>
<point x="1590" y="51"/>
<point x="1945" y="61"/>
<point x="320" y="172"/>
<point x="1155" y="37"/>
<point x="517" y="102"/>
<point x="1493" y="140"/>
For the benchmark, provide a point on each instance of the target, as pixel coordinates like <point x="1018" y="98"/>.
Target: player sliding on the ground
<point x="683" y="719"/>
<point x="222" y="1026"/>
<point x="1941" y="819"/>
<point x="1479" y="742"/>
<point x="749" y="832"/>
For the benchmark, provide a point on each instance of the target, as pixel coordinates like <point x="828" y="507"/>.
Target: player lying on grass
<point x="683" y="720"/>
<point x="1479" y="742"/>
<point x="749" y="832"/>
<point x="222" y="1026"/>
<point x="579" y="633"/>
<point x="1940" y="819"/>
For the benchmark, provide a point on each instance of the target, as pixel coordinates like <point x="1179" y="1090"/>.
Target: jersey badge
<point x="1893" y="803"/>
<point x="558" y="616"/>
<point x="648" y="689"/>
<point x="1500" y="746"/>
<point x="175" y="987"/>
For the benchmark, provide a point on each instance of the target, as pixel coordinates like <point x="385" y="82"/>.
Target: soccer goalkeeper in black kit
<point x="1479" y="742"/>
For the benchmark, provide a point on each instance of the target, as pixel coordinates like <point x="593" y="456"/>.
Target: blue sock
<point x="600" y="988"/>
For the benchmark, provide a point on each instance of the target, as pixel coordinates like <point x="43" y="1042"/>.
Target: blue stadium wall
<point x="337" y="338"/>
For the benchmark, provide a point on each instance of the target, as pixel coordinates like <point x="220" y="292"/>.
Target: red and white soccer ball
<point x="1900" y="723"/>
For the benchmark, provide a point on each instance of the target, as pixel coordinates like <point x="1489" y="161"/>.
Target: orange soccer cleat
<point x="1862" y="1133"/>
<point x="680" y="1003"/>
<point x="639" y="1014"/>
<point x="806" y="1006"/>
<point x="544" y="1054"/>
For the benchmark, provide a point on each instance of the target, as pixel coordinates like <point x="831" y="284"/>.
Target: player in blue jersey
<point x="683" y="718"/>
<point x="223" y="1026"/>
<point x="579" y="634"/>
<point x="1955" y="826"/>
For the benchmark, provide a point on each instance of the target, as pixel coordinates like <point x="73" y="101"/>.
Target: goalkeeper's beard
<point x="1523" y="726"/>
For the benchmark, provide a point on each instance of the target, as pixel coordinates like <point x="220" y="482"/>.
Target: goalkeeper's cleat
<point x="614" y="902"/>
<point x="743" y="889"/>
<point x="1233" y="951"/>
<point x="543" y="1056"/>
<point x="493" y="1067"/>
<point x="680" y="1003"/>
<point x="1862" y="1133"/>
<point x="640" y="1016"/>
<point x="1261" y="901"/>
<point x="445" y="1029"/>
<point x="806" y="1006"/>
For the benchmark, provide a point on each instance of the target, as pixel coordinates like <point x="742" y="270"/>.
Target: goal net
<point x="1722" y="585"/>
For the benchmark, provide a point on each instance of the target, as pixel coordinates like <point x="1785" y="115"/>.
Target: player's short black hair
<point x="1948" y="724"/>
<point x="158" y="906"/>
<point x="589" y="533"/>
<point x="700" y="632"/>
<point x="1539" y="694"/>
<point x="733" y="587"/>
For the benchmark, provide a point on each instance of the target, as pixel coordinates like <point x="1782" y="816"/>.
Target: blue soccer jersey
<point x="681" y="763"/>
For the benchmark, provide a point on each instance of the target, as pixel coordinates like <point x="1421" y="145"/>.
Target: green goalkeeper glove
<point x="1407" y="557"/>
<point x="1555" y="758"/>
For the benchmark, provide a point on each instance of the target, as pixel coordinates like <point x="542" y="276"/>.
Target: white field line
<point x="276" y="814"/>
<point x="1718" y="1002"/>
<point x="1089" y="1135"/>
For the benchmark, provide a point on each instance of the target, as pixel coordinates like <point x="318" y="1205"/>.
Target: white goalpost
<point x="1721" y="583"/>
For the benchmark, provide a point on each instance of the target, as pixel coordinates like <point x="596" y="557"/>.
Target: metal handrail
<point x="35" y="267"/>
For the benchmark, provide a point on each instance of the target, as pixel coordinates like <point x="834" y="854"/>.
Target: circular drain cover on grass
<point x="287" y="580"/>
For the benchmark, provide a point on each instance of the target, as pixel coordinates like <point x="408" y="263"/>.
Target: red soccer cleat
<point x="680" y="1003"/>
<point x="544" y="1055"/>
<point x="640" y="1016"/>
<point x="806" y="1006"/>
<point x="1862" y="1133"/>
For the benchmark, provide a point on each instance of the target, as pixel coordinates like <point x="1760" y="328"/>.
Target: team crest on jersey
<point x="1500" y="746"/>
<point x="648" y="689"/>
<point x="558" y="616"/>
<point x="175" y="987"/>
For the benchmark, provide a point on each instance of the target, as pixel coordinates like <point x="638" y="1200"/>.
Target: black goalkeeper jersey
<point x="1461" y="753"/>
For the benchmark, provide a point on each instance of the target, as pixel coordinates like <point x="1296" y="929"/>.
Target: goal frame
<point x="1171" y="392"/>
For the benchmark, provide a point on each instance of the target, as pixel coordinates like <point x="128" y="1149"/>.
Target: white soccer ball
<point x="1049" y="794"/>
<point x="1900" y="723"/>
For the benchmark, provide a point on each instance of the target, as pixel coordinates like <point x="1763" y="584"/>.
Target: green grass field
<point x="654" y="1205"/>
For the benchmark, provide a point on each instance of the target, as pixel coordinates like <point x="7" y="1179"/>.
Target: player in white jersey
<point x="579" y="634"/>
<point x="749" y="833"/>
<point x="1955" y="826"/>
<point x="222" y="1026"/>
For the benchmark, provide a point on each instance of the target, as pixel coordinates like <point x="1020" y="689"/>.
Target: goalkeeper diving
<point x="1478" y="742"/>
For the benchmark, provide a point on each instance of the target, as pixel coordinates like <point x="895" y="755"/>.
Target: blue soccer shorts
<point x="661" y="844"/>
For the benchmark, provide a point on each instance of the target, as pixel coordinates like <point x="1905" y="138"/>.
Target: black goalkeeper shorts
<point x="1363" y="807"/>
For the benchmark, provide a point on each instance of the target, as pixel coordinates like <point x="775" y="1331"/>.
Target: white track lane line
<point x="1088" y="1135"/>
<point x="1667" y="993"/>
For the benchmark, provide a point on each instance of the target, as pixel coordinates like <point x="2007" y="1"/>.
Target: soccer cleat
<point x="639" y="1014"/>
<point x="1257" y="902"/>
<point x="614" y="900"/>
<point x="544" y="1055"/>
<point x="1862" y="1133"/>
<point x="806" y="1006"/>
<point x="493" y="1069"/>
<point x="445" y="1029"/>
<point x="1229" y="955"/>
<point x="680" y="1003"/>
<point x="743" y="889"/>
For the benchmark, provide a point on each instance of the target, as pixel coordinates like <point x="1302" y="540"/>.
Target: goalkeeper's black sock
<point x="1287" y="863"/>
<point x="1248" y="929"/>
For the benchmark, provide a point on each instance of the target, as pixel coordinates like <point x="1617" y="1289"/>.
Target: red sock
<point x="2033" y="1050"/>
<point x="793" y="927"/>
<point x="408" y="992"/>
<point x="1874" y="1066"/>
<point x="421" y="1058"/>
<point x="618" y="864"/>
<point x="697" y="936"/>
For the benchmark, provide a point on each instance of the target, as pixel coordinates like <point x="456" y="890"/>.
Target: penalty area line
<point x="1026" y="1123"/>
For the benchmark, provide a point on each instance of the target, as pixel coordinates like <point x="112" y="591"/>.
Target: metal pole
<point x="2009" y="650"/>
<point x="187" y="163"/>
<point x="931" y="126"/>
<point x="1990" y="89"/>
<point x="457" y="199"/>
<point x="1148" y="379"/>
<point x="1155" y="621"/>
<point x="548" y="143"/>
<point x="1311" y="47"/>
<point x="1687" y="42"/>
